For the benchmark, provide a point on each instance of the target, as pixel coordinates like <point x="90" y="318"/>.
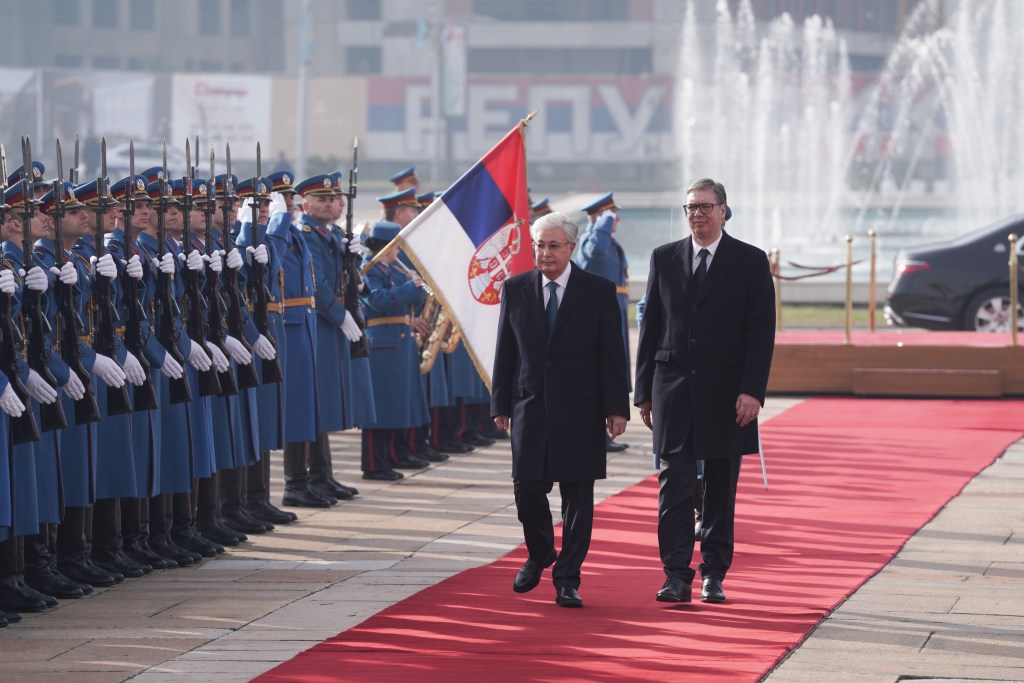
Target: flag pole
<point x="760" y="451"/>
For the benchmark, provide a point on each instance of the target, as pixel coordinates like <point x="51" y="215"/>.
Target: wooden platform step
<point x="961" y="383"/>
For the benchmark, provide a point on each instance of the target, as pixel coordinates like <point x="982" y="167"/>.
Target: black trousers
<point x="538" y="528"/>
<point x="678" y="480"/>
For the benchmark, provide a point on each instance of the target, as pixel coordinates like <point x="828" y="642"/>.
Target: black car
<point x="962" y="284"/>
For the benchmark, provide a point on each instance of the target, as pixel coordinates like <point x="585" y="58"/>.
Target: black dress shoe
<point x="3" y="621"/>
<point x="454" y="447"/>
<point x="351" y="489"/>
<point x="14" y="598"/>
<point x="613" y="447"/>
<point x="674" y="590"/>
<point x="566" y="596"/>
<point x="56" y="585"/>
<point x="431" y="455"/>
<point x="265" y="512"/>
<point x="121" y="564"/>
<point x="711" y="590"/>
<point x="215" y="533"/>
<point x="245" y="524"/>
<point x="170" y="551"/>
<point x="193" y="542"/>
<point x="50" y="600"/>
<point x="304" y="498"/>
<point x="332" y="489"/>
<point x="410" y="462"/>
<point x="477" y="440"/>
<point x="489" y="431"/>
<point x="143" y="555"/>
<point x="698" y="524"/>
<point x="327" y="492"/>
<point x="383" y="475"/>
<point x="528" y="577"/>
<point x="88" y="574"/>
<point x="10" y="617"/>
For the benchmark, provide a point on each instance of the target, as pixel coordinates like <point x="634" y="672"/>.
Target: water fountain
<point x="773" y="117"/>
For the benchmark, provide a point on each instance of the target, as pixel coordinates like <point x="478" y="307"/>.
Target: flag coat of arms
<point x="474" y="237"/>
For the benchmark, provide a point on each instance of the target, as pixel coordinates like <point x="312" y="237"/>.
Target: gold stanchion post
<point x="774" y="263"/>
<point x="871" y="292"/>
<point x="1013" y="288"/>
<point x="849" y="289"/>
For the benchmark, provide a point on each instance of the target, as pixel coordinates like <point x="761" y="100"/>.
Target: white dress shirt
<point x="562" y="280"/>
<point x="712" y="248"/>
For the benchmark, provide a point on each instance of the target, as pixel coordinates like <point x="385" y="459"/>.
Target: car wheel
<point x="989" y="311"/>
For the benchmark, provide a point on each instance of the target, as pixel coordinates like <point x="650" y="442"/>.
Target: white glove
<point x="171" y="369"/>
<point x="74" y="389"/>
<point x="7" y="283"/>
<point x="133" y="267"/>
<point x="350" y="329"/>
<point x="36" y="279"/>
<point x="165" y="264"/>
<point x="220" y="361"/>
<point x="259" y="254"/>
<point x="237" y="350"/>
<point x="215" y="261"/>
<point x="109" y="372"/>
<point x="104" y="266"/>
<point x="39" y="389"/>
<point x="263" y="348"/>
<point x="133" y="369"/>
<point x="234" y="259"/>
<point x="197" y="358"/>
<point x="343" y="240"/>
<point x="357" y="247"/>
<point x="244" y="214"/>
<point x="194" y="260"/>
<point x="67" y="273"/>
<point x="277" y="204"/>
<point x="607" y="213"/>
<point x="10" y="403"/>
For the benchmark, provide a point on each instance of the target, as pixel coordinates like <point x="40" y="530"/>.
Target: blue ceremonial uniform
<point x="302" y="413"/>
<point x="176" y="470"/>
<point x="269" y="396"/>
<point x="394" y="365"/>
<point x="601" y="254"/>
<point x="333" y="353"/>
<point x="115" y="463"/>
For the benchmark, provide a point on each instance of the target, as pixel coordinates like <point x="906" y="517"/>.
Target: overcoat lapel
<point x="534" y="300"/>
<point x="572" y="296"/>
<point x="724" y="256"/>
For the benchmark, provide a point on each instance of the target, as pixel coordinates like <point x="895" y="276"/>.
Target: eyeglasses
<point x="705" y="209"/>
<point x="550" y="246"/>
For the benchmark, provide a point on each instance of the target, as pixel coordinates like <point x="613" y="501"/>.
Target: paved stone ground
<point x="950" y="604"/>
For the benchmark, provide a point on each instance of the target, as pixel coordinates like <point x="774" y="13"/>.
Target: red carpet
<point x="891" y="337"/>
<point x="850" y="481"/>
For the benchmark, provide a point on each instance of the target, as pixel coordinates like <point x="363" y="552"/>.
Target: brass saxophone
<point x="437" y="319"/>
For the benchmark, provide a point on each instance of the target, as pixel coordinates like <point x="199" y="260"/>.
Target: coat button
<point x="693" y="310"/>
<point x="693" y="372"/>
<point x="547" y="364"/>
<point x="693" y="341"/>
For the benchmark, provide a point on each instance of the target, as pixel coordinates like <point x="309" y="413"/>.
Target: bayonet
<point x="73" y="171"/>
<point x="350" y="262"/>
<point x="261" y="293"/>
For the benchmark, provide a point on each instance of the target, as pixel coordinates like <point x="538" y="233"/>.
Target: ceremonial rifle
<point x="351" y="261"/>
<point x="23" y="427"/>
<point x="33" y="316"/>
<point x="165" y="308"/>
<point x="104" y="315"/>
<point x="134" y="312"/>
<point x="261" y="293"/>
<point x="192" y="300"/>
<point x="247" y="376"/>
<point x="215" y="306"/>
<point x="69" y="323"/>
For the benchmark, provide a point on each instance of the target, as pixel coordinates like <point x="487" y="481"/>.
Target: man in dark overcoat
<point x="561" y="379"/>
<point x="702" y="368"/>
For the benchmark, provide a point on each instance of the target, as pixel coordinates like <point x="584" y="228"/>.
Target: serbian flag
<point x="472" y="238"/>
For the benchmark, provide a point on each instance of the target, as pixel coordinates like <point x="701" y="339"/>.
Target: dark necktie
<point x="552" y="308"/>
<point x="702" y="268"/>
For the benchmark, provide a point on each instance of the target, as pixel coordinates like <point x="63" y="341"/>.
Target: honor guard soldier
<point x="335" y="332"/>
<point x="405" y="179"/>
<point x="302" y="413"/>
<point x="269" y="395"/>
<point x="600" y="253"/>
<point x="361" y="405"/>
<point x="131" y="194"/>
<point x="115" y="460"/>
<point x="388" y="298"/>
